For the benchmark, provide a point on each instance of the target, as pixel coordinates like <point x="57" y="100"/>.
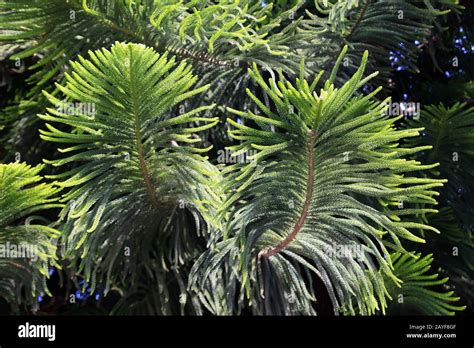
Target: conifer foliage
<point x="125" y="107"/>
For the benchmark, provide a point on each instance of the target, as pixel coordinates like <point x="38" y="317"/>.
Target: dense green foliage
<point x="22" y="195"/>
<point x="128" y="106"/>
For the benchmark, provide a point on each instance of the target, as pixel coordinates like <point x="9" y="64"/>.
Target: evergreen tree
<point x="226" y="157"/>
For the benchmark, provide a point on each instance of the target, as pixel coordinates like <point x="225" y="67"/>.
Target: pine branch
<point x="125" y="173"/>
<point x="448" y="130"/>
<point x="22" y="194"/>
<point x="416" y="293"/>
<point x="309" y="195"/>
<point x="359" y="162"/>
<point x="359" y="19"/>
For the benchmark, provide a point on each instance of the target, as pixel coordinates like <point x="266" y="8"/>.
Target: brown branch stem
<point x="139" y="146"/>
<point x="362" y="14"/>
<point x="307" y="203"/>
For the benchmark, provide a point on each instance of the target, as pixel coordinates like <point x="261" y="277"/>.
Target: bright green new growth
<point x="324" y="162"/>
<point x="328" y="172"/>
<point x="449" y="131"/>
<point x="21" y="195"/>
<point x="140" y="186"/>
<point x="221" y="38"/>
<point x="415" y="290"/>
<point x="143" y="203"/>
